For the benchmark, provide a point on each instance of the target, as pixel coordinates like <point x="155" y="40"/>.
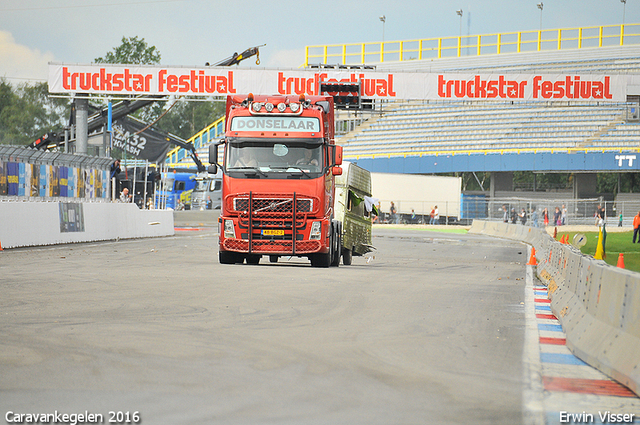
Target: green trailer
<point x="354" y="207"/>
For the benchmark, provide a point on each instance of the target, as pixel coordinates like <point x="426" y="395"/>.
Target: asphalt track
<point x="428" y="330"/>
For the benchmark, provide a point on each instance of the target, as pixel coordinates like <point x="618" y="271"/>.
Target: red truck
<point x="278" y="184"/>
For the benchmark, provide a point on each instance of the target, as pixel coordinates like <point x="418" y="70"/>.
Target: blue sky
<point x="192" y="32"/>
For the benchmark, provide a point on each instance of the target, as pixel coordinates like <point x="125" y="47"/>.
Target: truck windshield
<point x="275" y="158"/>
<point x="201" y="185"/>
<point x="167" y="185"/>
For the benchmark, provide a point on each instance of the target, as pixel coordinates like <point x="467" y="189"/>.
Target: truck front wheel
<point x="227" y="257"/>
<point x="320" y="260"/>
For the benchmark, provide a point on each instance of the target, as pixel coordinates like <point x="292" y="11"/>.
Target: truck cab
<point x="172" y="185"/>
<point x="278" y="186"/>
<point x="207" y="194"/>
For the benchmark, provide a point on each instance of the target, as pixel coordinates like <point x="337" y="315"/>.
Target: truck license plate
<point x="273" y="232"/>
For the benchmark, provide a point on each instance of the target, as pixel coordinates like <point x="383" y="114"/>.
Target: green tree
<point x="183" y="119"/>
<point x="27" y="112"/>
<point x="133" y="50"/>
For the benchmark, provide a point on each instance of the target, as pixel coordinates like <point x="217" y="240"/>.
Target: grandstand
<point x="491" y="136"/>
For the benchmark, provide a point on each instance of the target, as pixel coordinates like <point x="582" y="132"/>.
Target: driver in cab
<point x="307" y="159"/>
<point x="245" y="159"/>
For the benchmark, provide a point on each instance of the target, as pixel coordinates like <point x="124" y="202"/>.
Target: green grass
<point x="616" y="243"/>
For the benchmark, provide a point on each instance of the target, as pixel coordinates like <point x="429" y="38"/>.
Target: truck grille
<point x="276" y="204"/>
<point x="271" y="247"/>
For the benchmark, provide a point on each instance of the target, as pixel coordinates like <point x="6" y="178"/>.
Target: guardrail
<point x="597" y="304"/>
<point x="474" y="45"/>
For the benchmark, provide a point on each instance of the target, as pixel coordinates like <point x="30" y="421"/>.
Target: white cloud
<point x="19" y="63"/>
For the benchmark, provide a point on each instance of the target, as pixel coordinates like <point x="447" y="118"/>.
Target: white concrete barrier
<point x="48" y="223"/>
<point x="597" y="304"/>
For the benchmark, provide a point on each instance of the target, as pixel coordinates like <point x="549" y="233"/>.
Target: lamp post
<point x="540" y="6"/>
<point x="624" y="9"/>
<point x="383" y="19"/>
<point x="459" y="13"/>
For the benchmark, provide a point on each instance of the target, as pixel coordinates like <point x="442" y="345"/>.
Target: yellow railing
<point x="200" y="139"/>
<point x="474" y="45"/>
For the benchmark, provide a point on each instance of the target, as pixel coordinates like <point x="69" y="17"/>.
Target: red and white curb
<point x="559" y="387"/>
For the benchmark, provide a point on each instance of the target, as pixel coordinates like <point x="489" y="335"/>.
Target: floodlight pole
<point x="383" y="19"/>
<point x="541" y="6"/>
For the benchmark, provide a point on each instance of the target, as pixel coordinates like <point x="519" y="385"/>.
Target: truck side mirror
<point x="337" y="155"/>
<point x="212" y="169"/>
<point x="336" y="171"/>
<point x="213" y="154"/>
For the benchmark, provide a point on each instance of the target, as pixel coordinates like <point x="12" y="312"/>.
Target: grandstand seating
<point x="456" y="126"/>
<point x="442" y="127"/>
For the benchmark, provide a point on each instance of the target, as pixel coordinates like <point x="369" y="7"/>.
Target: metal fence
<point x="578" y="211"/>
<point x="35" y="175"/>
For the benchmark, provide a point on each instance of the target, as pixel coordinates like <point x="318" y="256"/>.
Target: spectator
<point x="545" y="217"/>
<point x="563" y="215"/>
<point x="125" y="196"/>
<point x="392" y="213"/>
<point x="620" y="221"/>
<point x="523" y="217"/>
<point x="115" y="169"/>
<point x="436" y="215"/>
<point x="556" y="217"/>
<point x="599" y="215"/>
<point x="514" y="216"/>
<point x="636" y="227"/>
<point x="534" y="217"/>
<point x="505" y="214"/>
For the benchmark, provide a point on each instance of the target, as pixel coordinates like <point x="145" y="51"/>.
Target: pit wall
<point x="597" y="304"/>
<point x="47" y="223"/>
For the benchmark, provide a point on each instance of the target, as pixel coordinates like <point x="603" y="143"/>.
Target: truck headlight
<point x="229" y="231"/>
<point x="315" y="230"/>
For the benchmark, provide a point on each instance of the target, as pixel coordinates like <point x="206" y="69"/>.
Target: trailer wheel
<point x="273" y="258"/>
<point x="347" y="256"/>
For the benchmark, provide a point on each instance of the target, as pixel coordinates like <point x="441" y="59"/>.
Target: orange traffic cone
<point x="532" y="259"/>
<point x="1" y="247"/>
<point x="565" y="239"/>
<point x="621" y="260"/>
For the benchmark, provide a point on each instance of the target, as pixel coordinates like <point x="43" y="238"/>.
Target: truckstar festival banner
<point x="220" y="81"/>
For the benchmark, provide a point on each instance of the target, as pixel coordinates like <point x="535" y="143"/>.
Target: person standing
<point x="523" y="216"/>
<point x="545" y="217"/>
<point x="392" y="213"/>
<point x="436" y="215"/>
<point x="505" y="215"/>
<point x="534" y="217"/>
<point x="563" y="215"/>
<point x="636" y="227"/>
<point x="556" y="217"/>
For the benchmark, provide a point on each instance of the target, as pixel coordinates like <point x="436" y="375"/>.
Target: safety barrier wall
<point x="47" y="223"/>
<point x="597" y="304"/>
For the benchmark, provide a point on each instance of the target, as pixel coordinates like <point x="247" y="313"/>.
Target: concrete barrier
<point x="48" y="223"/>
<point x="597" y="304"/>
